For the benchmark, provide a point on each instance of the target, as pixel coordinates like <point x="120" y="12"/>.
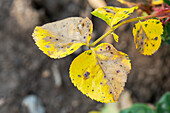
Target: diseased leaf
<point x="106" y="13"/>
<point x="122" y="14"/>
<point x="61" y="38"/>
<point x="157" y="2"/>
<point x="101" y="73"/>
<point x="112" y="15"/>
<point x="116" y="37"/>
<point x="147" y="36"/>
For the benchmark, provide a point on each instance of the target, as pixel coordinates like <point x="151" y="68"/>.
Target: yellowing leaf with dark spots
<point x="147" y="36"/>
<point x="61" y="38"/>
<point x="101" y="73"/>
<point x="113" y="15"/>
<point x="116" y="37"/>
<point x="157" y="2"/>
<point x="122" y="14"/>
<point x="105" y="13"/>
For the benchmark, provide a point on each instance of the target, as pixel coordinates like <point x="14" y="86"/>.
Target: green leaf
<point x="113" y="15"/>
<point x="167" y="1"/>
<point x="163" y="106"/>
<point x="138" y="108"/>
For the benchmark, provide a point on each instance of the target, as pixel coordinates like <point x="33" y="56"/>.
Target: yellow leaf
<point x="122" y="14"/>
<point x="122" y="1"/>
<point x="61" y="38"/>
<point x="113" y="15"/>
<point x="147" y="36"/>
<point x="101" y="73"/>
<point x="127" y="3"/>
<point x="157" y="2"/>
<point x="105" y="13"/>
<point x="116" y="37"/>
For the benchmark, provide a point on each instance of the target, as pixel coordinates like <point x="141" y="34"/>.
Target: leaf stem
<point x="102" y="37"/>
<point x="162" y="13"/>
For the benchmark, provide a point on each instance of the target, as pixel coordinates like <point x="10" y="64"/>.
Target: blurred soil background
<point x="25" y="70"/>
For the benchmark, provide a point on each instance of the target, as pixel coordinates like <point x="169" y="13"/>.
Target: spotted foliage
<point x="113" y="15"/>
<point x="101" y="73"/>
<point x="61" y="38"/>
<point x="157" y="2"/>
<point x="116" y="37"/>
<point x="147" y="36"/>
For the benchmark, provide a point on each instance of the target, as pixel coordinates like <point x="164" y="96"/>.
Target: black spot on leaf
<point x="86" y="75"/>
<point x="109" y="47"/>
<point x="157" y="22"/>
<point x="118" y="71"/>
<point x="107" y="11"/>
<point x="135" y="26"/>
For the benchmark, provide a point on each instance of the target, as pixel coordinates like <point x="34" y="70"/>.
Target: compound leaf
<point x="116" y="37"/>
<point x="112" y="15"/>
<point x="101" y="73"/>
<point x="61" y="38"/>
<point x="147" y="36"/>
